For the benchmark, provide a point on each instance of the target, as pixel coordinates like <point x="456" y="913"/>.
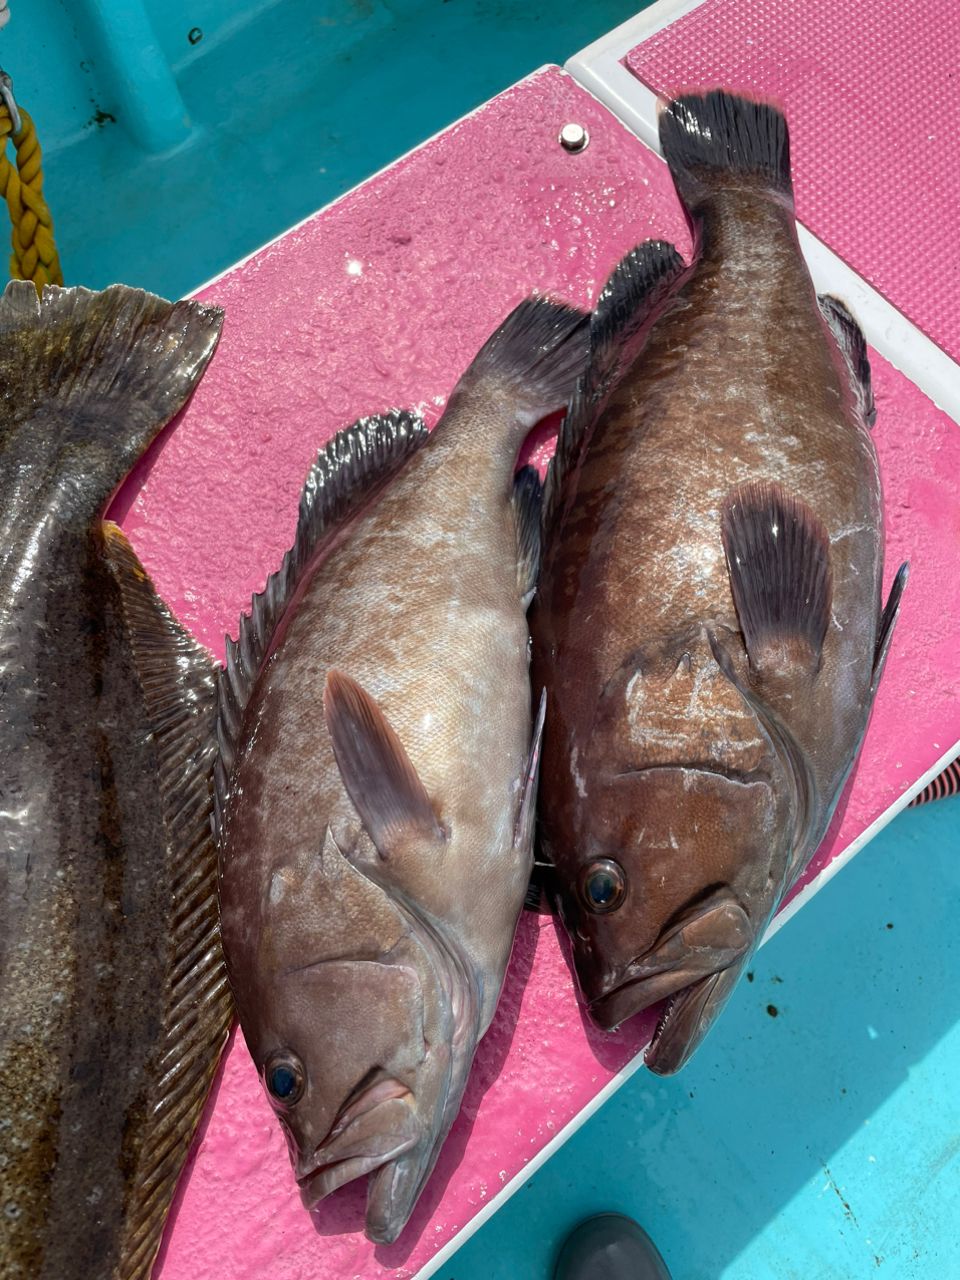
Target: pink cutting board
<point x="871" y="91"/>
<point x="381" y="300"/>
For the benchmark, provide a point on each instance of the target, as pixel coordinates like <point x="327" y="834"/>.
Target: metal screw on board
<point x="573" y="137"/>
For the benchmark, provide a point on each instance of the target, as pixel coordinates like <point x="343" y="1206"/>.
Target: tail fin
<point x="717" y="140"/>
<point x="87" y="380"/>
<point x="539" y="352"/>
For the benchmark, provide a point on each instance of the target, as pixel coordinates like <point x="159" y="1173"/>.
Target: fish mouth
<point x="374" y="1128"/>
<point x="703" y="944"/>
<point x="684" y="1022"/>
<point x="633" y="995"/>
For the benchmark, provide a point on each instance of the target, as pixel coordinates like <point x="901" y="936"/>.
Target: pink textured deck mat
<point x="871" y="92"/>
<point x="382" y="300"/>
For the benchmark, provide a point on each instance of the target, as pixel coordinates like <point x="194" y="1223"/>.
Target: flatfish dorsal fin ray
<point x="177" y="679"/>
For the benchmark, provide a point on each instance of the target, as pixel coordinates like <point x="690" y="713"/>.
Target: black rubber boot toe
<point x="609" y="1247"/>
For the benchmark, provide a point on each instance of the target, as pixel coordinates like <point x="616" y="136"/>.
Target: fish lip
<point x="327" y="1178"/>
<point x="675" y="1005"/>
<point x="336" y="1161"/>
<point x="614" y="1007"/>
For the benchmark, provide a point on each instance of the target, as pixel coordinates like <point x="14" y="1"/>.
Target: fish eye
<point x="284" y="1078"/>
<point x="603" y="886"/>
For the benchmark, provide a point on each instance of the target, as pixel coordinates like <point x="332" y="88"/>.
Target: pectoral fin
<point x="788" y="750"/>
<point x="778" y="557"/>
<point x="526" y="811"/>
<point x="527" y="501"/>
<point x="377" y="773"/>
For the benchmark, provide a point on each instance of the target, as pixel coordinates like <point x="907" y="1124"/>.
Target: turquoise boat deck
<point x="817" y="1133"/>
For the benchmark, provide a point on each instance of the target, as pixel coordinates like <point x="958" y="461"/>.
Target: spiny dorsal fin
<point x="629" y="304"/>
<point x="778" y="558"/>
<point x="527" y="503"/>
<point x="853" y="344"/>
<point x="93" y="377"/>
<point x="888" y="618"/>
<point x="178" y="684"/>
<point x="348" y="473"/>
<point x="378" y="775"/>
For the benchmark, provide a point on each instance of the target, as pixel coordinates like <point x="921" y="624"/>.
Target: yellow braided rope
<point x="34" y="254"/>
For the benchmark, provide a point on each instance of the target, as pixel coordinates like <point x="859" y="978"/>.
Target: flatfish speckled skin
<point x="378" y="776"/>
<point x="708" y="625"/>
<point x="114" y="1005"/>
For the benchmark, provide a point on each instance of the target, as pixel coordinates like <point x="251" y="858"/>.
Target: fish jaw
<point x="706" y="942"/>
<point x="377" y="1127"/>
<point x="688" y="1017"/>
<point x="380" y="1134"/>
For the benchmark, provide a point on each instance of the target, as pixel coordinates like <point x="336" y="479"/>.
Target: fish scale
<point x="113" y="999"/>
<point x="722" y="462"/>
<point x="377" y="709"/>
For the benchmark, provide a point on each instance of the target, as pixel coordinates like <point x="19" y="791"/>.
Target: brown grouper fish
<point x="709" y="625"/>
<point x="378" y="770"/>
<point x="114" y="1005"/>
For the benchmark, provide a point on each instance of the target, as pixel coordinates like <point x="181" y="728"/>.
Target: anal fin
<point x="177" y="679"/>
<point x="778" y="558"/>
<point x="853" y="344"/>
<point x="888" y="619"/>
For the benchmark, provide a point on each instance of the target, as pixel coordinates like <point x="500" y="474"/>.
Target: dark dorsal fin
<point x="888" y="618"/>
<point x="853" y="344"/>
<point x="178" y="681"/>
<point x="379" y="776"/>
<point x="778" y="557"/>
<point x="87" y="380"/>
<point x="629" y="303"/>
<point x="527" y="504"/>
<point x="348" y="473"/>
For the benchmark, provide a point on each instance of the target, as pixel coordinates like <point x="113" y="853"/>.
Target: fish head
<point x="362" y="1034"/>
<point x="673" y="890"/>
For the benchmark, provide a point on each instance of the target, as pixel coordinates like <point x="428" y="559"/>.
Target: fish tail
<point x="719" y="140"/>
<point x="87" y="380"/>
<point x="538" y="354"/>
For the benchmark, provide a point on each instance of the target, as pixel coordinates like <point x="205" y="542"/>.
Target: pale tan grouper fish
<point x="378" y="771"/>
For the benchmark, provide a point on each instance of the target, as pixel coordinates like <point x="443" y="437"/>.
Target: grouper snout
<point x="705" y="942"/>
